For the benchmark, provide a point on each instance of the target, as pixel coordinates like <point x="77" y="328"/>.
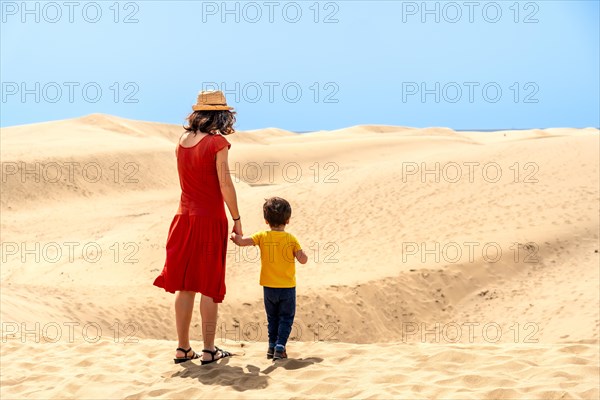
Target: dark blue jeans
<point x="280" y="305"/>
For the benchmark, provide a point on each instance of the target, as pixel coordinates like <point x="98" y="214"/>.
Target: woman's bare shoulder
<point x="190" y="139"/>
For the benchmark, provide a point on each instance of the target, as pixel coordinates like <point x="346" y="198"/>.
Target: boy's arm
<point x="241" y="240"/>
<point x="301" y="256"/>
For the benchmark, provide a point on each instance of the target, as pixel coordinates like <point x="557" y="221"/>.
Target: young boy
<point x="278" y="272"/>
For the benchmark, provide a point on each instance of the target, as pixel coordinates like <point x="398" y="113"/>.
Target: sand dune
<point x="442" y="264"/>
<point x="394" y="370"/>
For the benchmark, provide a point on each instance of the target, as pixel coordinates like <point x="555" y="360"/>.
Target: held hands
<point x="235" y="238"/>
<point x="236" y="232"/>
<point x="237" y="228"/>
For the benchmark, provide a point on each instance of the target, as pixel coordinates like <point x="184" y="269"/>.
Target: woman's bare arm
<point x="227" y="188"/>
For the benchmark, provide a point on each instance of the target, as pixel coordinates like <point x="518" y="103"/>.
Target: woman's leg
<point x="208" y="311"/>
<point x="184" y="307"/>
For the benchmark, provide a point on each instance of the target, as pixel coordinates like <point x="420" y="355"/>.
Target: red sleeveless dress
<point x="197" y="241"/>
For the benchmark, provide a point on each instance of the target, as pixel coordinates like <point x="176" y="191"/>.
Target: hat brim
<point x="208" y="107"/>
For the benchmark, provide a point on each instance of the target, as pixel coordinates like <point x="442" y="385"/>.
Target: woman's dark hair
<point x="277" y="211"/>
<point x="211" y="121"/>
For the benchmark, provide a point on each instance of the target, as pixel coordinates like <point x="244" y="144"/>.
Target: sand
<point x="442" y="264"/>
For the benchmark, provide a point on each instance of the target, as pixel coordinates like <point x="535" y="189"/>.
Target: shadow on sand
<point x="239" y="379"/>
<point x="292" y="363"/>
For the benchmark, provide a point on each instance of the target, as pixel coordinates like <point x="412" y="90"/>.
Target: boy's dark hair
<point x="277" y="211"/>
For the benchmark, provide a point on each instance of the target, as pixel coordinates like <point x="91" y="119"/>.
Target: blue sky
<point x="306" y="65"/>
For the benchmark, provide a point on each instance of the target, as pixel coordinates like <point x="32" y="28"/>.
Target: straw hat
<point x="211" y="100"/>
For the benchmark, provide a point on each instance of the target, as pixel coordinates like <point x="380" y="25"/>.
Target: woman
<point x="197" y="241"/>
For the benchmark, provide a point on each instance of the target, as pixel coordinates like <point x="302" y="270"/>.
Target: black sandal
<point x="224" y="354"/>
<point x="180" y="360"/>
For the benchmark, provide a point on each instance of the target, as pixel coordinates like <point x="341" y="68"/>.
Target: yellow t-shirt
<point x="278" y="267"/>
